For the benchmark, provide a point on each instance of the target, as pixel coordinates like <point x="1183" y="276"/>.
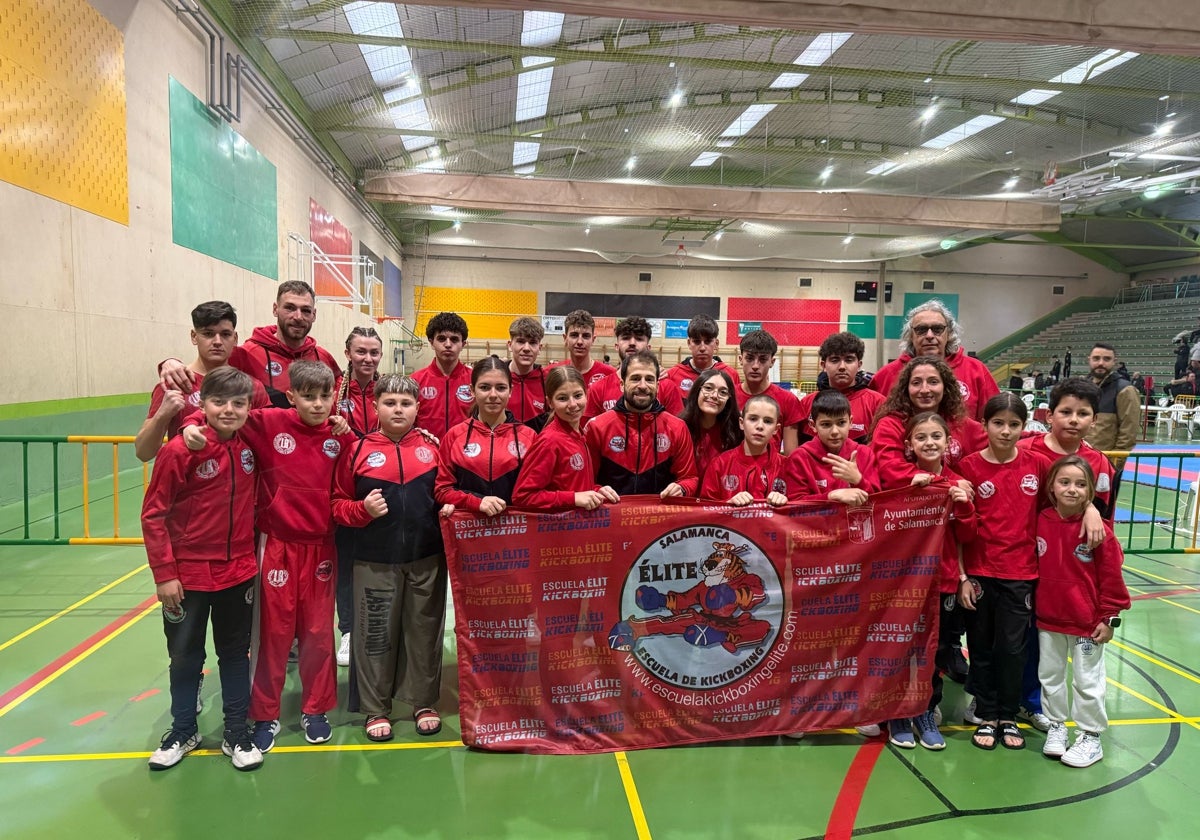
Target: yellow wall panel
<point x="488" y="312"/>
<point x="62" y="92"/>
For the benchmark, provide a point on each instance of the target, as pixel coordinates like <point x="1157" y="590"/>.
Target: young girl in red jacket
<point x="927" y="435"/>
<point x="754" y="470"/>
<point x="482" y="456"/>
<point x="384" y="492"/>
<point x="558" y="474"/>
<point x="1081" y="593"/>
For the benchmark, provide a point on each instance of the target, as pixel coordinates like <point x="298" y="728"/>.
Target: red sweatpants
<point x="297" y="587"/>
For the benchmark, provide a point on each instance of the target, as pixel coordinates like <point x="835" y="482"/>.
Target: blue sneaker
<point x="264" y="734"/>
<point x="900" y="733"/>
<point x="316" y="728"/>
<point x="927" y="732"/>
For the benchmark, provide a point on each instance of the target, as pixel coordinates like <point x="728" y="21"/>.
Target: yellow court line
<point x="76" y="660"/>
<point x="1176" y="604"/>
<point x="74" y="606"/>
<point x="1177" y="672"/>
<point x="1160" y="577"/>
<point x="1175" y="716"/>
<point x="631" y="794"/>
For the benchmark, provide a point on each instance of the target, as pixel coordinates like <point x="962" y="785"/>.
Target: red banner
<point x="646" y="624"/>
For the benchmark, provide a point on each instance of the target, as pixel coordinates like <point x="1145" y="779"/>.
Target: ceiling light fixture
<point x="676" y="99"/>
<point x="849" y="238"/>
<point x="928" y="113"/>
<point x="928" y="79"/>
<point x="629" y="164"/>
<point x="1011" y="182"/>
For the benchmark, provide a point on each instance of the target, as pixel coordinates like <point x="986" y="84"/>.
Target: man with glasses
<point x="932" y="331"/>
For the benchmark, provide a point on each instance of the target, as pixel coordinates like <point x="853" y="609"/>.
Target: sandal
<point x="984" y="730"/>
<point x="378" y="728"/>
<point x="421" y="717"/>
<point x="1008" y="729"/>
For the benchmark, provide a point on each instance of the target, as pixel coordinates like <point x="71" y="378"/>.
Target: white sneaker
<point x="871" y="730"/>
<point x="1056" y="740"/>
<point x="795" y="736"/>
<point x="969" y="715"/>
<point x="174" y="746"/>
<point x="343" y="654"/>
<point x="1036" y="719"/>
<point x="1085" y="752"/>
<point x="242" y="752"/>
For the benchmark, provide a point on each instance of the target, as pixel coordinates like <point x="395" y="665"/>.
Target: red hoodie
<point x="808" y="477"/>
<point x="975" y="381"/>
<point x="259" y="399"/>
<point x="557" y="467"/>
<point x="894" y="458"/>
<point x="684" y="375"/>
<point x="528" y="399"/>
<point x="198" y="514"/>
<point x="1077" y="588"/>
<point x="863" y="404"/>
<point x="357" y="405"/>
<point x="445" y="400"/>
<point x="266" y="359"/>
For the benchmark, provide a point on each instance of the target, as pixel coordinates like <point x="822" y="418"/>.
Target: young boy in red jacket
<point x="297" y="451"/>
<point x="831" y="466"/>
<point x="198" y="526"/>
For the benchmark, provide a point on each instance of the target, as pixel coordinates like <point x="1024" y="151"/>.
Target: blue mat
<point x="1125" y="515"/>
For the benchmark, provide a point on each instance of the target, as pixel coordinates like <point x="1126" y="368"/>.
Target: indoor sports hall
<point x="803" y="169"/>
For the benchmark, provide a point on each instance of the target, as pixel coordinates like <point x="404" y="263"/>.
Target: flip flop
<point x="378" y="728"/>
<point x="1008" y="729"/>
<point x="421" y="716"/>
<point x="984" y="730"/>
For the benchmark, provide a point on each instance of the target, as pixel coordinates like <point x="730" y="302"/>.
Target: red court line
<point x="144" y="695"/>
<point x="46" y="670"/>
<point x="849" y="798"/>
<point x="1150" y="596"/>
<point x="20" y="748"/>
<point x="88" y="718"/>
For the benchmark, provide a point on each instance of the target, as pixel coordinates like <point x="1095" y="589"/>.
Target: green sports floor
<point x="83" y="700"/>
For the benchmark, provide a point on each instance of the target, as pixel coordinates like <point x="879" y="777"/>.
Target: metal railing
<point x="58" y="485"/>
<point x="1158" y="495"/>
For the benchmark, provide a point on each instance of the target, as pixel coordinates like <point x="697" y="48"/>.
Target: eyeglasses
<point x="936" y="329"/>
<point x="723" y="393"/>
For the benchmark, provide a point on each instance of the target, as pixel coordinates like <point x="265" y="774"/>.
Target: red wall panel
<point x="792" y="322"/>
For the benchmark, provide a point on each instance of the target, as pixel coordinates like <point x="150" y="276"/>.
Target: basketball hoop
<point x="681" y="255"/>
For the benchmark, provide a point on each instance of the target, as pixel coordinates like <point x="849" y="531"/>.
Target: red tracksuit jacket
<point x="789" y="405"/>
<point x="445" y="400"/>
<point x="684" y="375"/>
<point x="558" y="466"/>
<point x="895" y="461"/>
<point x="404" y="471"/>
<point x="595" y="373"/>
<point x="528" y="399"/>
<point x="807" y="477"/>
<point x="642" y="453"/>
<point x="357" y="405"/>
<point x="478" y="461"/>
<point x="258" y="399"/>
<point x="706" y="448"/>
<point x="198" y="514"/>
<point x="266" y="359"/>
<point x="1077" y="587"/>
<point x="733" y="471"/>
<point x="1007" y="500"/>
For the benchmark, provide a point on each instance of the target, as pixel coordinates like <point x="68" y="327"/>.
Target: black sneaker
<point x="175" y="745"/>
<point x="958" y="666"/>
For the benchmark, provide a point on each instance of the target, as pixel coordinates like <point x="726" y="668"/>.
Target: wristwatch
<point x="1113" y="621"/>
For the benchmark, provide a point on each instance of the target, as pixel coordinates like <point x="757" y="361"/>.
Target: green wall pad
<point x="223" y="200"/>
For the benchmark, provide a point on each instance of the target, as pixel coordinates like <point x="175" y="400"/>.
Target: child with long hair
<point x="558" y="473"/>
<point x="711" y="414"/>
<point x="481" y="456"/>
<point x="927" y="435"/>
<point x="384" y="492"/>
<point x="1081" y="593"/>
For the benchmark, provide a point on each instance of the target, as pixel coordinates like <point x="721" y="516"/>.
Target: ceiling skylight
<point x="1093" y="67"/>
<point x="748" y="119"/>
<point x="961" y="132"/>
<point x="524" y="153"/>
<point x="817" y="53"/>
<point x="538" y="29"/>
<point x="706" y="159"/>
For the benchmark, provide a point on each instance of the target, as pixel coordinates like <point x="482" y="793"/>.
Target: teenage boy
<point x="528" y="400"/>
<point x="446" y="398"/>
<point x="269" y="351"/>
<point x="198" y="526"/>
<point x="832" y="466"/>
<point x="633" y="336"/>
<point x="214" y="334"/>
<point x="756" y="353"/>
<point x="638" y="447"/>
<point x="841" y="357"/>
<point x="1073" y="407"/>
<point x="297" y="452"/>
<point x="579" y="334"/>
<point x="702" y="344"/>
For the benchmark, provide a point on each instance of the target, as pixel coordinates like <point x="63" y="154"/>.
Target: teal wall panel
<point x="862" y="326"/>
<point x="912" y="299"/>
<point x="223" y="191"/>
